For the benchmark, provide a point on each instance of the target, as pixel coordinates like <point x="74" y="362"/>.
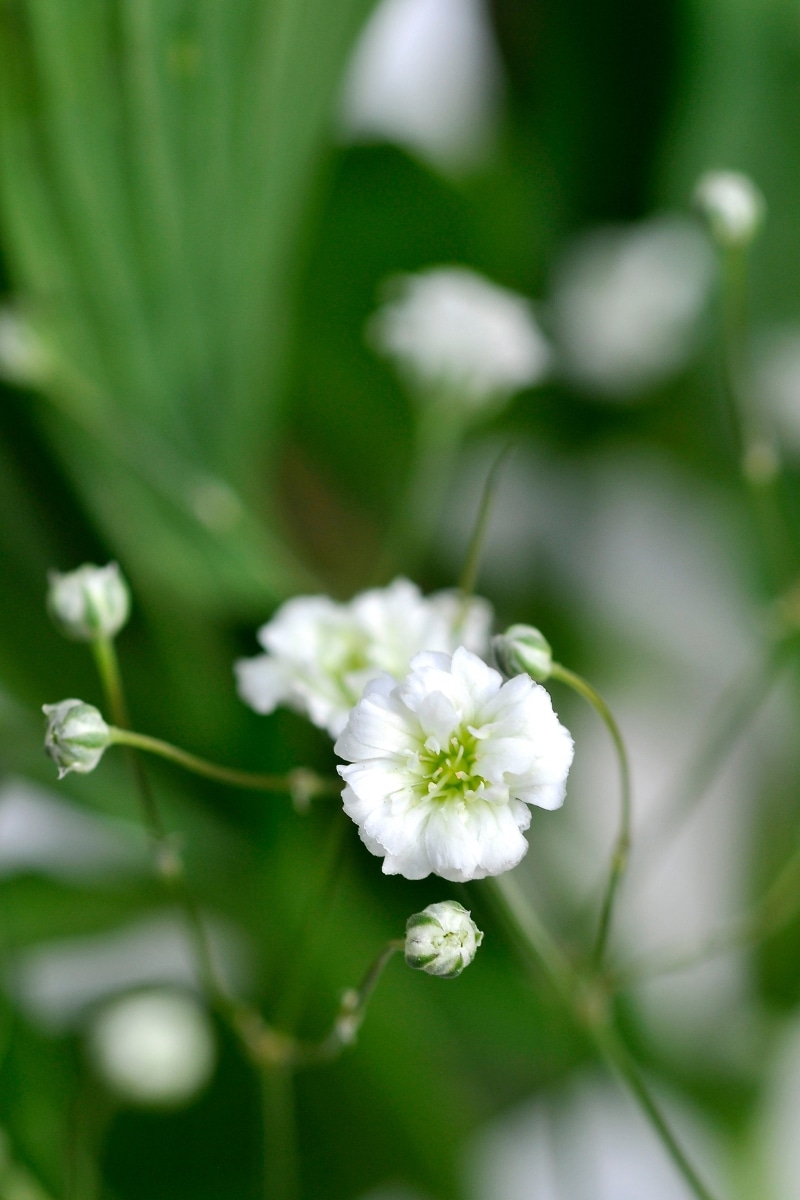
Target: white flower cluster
<point x="321" y="654"/>
<point x="445" y="765"/>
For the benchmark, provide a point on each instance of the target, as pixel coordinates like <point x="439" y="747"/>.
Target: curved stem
<point x="619" y="857"/>
<point x="280" y="1133"/>
<point x="590" y="1011"/>
<point x="469" y="574"/>
<point x="299" y="781"/>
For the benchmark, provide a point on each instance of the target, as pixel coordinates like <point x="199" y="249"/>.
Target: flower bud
<point x="89" y="603"/>
<point x="732" y="205"/>
<point x="76" y="736"/>
<point x="523" y="650"/>
<point x="442" y="939"/>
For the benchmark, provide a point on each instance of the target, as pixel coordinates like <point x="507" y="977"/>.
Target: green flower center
<point x="451" y="773"/>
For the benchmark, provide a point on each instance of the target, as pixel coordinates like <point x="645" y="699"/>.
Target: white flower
<point x="154" y="1047"/>
<point x="626" y="304"/>
<point x="321" y="654"/>
<point x="426" y="74"/>
<point x="445" y="764"/>
<point x="442" y="940"/>
<point x="76" y="736"/>
<point x="90" y="602"/>
<point x="732" y="205"/>
<point x="451" y="331"/>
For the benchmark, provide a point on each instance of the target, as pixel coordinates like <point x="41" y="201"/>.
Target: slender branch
<point x="301" y="781"/>
<point x="469" y="574"/>
<point x="280" y="1134"/>
<point x="588" y="1008"/>
<point x="619" y="857"/>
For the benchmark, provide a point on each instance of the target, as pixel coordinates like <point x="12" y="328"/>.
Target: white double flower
<point x="445" y="765"/>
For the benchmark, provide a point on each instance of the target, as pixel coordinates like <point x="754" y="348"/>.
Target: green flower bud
<point x="732" y="205"/>
<point x="76" y="736"/>
<point x="523" y="650"/>
<point x="442" y="939"/>
<point x="89" y="603"/>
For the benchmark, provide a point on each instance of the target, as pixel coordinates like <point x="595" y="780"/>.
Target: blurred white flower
<point x="776" y="382"/>
<point x="23" y="357"/>
<point x="57" y="983"/>
<point x="442" y="939"/>
<point x="321" y="654"/>
<point x="445" y="764"/>
<point x="90" y="602"/>
<point x="41" y="833"/>
<point x="153" y="1048"/>
<point x="586" y="1142"/>
<point x="451" y="331"/>
<point x="627" y="302"/>
<point x="732" y="205"/>
<point x="426" y="74"/>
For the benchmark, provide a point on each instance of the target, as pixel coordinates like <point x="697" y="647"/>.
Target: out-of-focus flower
<point x="732" y="205"/>
<point x="426" y="74"/>
<point x="442" y="940"/>
<point x="76" y="736"/>
<point x="627" y="302"/>
<point x="90" y="602"/>
<point x="588" y="1141"/>
<point x="153" y="1048"/>
<point x="451" y="332"/>
<point x="23" y="357"/>
<point x="523" y="649"/>
<point x="776" y="383"/>
<point x="446" y="763"/>
<point x="321" y="654"/>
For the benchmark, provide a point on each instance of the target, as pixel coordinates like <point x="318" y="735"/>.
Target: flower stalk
<point x="619" y="856"/>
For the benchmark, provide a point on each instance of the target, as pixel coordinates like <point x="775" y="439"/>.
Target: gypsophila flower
<point x="321" y="654"/>
<point x="442" y="939"/>
<point x="445" y="764"/>
<point x="76" y="736"/>
<point x="90" y="602"/>
<point x="452" y="332"/>
<point x="732" y="205"/>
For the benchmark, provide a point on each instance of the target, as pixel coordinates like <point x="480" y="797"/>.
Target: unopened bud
<point x="523" y="650"/>
<point x="732" y="205"/>
<point x="89" y="603"/>
<point x="76" y="736"/>
<point x="442" y="939"/>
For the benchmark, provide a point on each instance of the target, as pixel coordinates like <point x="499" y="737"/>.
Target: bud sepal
<point x="523" y="650"/>
<point x="76" y="736"/>
<point x="442" y="939"/>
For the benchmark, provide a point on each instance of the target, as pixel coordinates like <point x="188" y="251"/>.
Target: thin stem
<point x="439" y="428"/>
<point x="469" y="574"/>
<point x="589" y="1010"/>
<point x="776" y="908"/>
<point x="105" y="657"/>
<point x="280" y="1134"/>
<point x="619" y="857"/>
<point x="291" y="783"/>
<point x="620" y="1060"/>
<point x="737" y="707"/>
<point x="758" y="458"/>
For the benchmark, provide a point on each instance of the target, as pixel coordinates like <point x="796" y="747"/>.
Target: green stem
<point x="280" y="1134"/>
<point x="469" y="574"/>
<point x="619" y="857"/>
<point x="591" y="1013"/>
<point x="758" y="458"/>
<point x="292" y="783"/>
